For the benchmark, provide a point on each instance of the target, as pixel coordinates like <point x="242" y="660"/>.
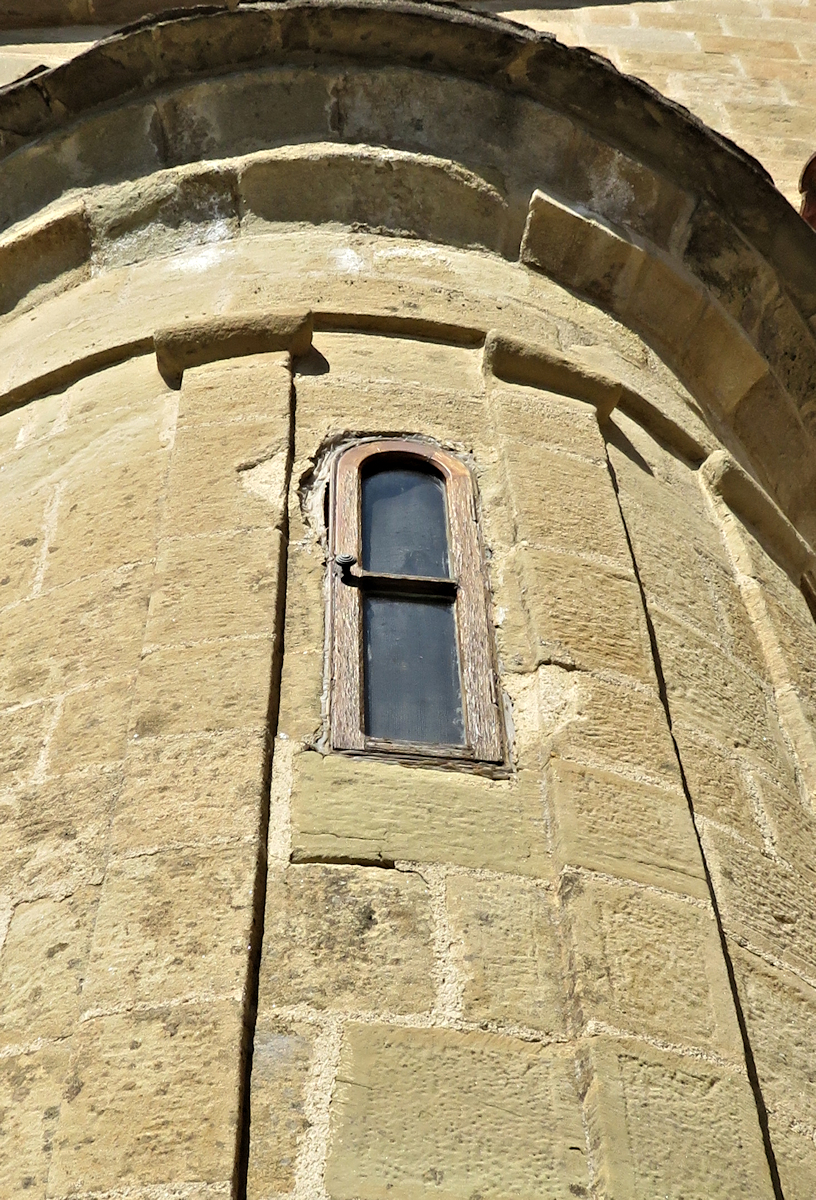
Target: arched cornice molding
<point x="636" y="204"/>
<point x="625" y="112"/>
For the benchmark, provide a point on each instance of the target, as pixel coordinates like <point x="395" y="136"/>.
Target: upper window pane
<point x="405" y="528"/>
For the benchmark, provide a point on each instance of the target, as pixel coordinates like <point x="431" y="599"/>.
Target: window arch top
<point x="411" y="654"/>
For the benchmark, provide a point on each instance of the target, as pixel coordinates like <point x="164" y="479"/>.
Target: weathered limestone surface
<point x="715" y="595"/>
<point x="139" y="807"/>
<point x="551" y="897"/>
<point x="417" y="1109"/>
<point x="472" y="982"/>
<point x="405" y="903"/>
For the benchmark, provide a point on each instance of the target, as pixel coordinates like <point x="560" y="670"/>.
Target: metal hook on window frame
<point x="345" y="562"/>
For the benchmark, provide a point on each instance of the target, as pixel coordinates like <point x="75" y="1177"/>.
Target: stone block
<point x="15" y="430"/>
<point x="795" y="629"/>
<point x="190" y="789"/>
<point x="578" y="252"/>
<point x="711" y="692"/>
<point x="663" y="437"/>
<point x="21" y="429"/>
<point x="419" y="1113"/>
<point x="550" y="421"/>
<point x="626" y="194"/>
<point x="95" y="148"/>
<point x="93" y="725"/>
<point x="100" y="412"/>
<point x="21" y="547"/>
<point x="663" y="305"/>
<point x="654" y="479"/>
<point x="229" y="476"/>
<point x="780" y="1012"/>
<point x="516" y="644"/>
<point x="495" y="505"/>
<point x="281" y="1060"/>
<point x="786" y="341"/>
<point x="151" y="944"/>
<point x="394" y="190"/>
<point x="764" y="902"/>
<point x="755" y="561"/>
<point x="791" y="819"/>
<point x="741" y="636"/>
<point x="681" y="558"/>
<point x="206" y="687"/>
<point x="302" y="688"/>
<point x="330" y="408"/>
<point x="170" y="213"/>
<point x="256" y="387"/>
<point x="583" y="614"/>
<point x="223" y="585"/>
<point x="53" y="839"/>
<point x="720" y="360"/>
<point x="729" y="268"/>
<point x="342" y="937"/>
<point x="43" y="967"/>
<point x="302" y="677"/>
<point x="606" y="823"/>
<point x="91" y="521"/>
<point x="508" y="953"/>
<point x="22" y="737"/>
<point x="720" y="786"/>
<point x="80" y="634"/>
<point x="552" y="494"/>
<point x="370" y="811"/>
<point x="678" y="551"/>
<point x="152" y="1096"/>
<point x="595" y="722"/>
<point x="650" y="964"/>
<point x="247" y="111"/>
<point x="30" y="1092"/>
<point x="772" y="433"/>
<point x="357" y="357"/>
<point x="662" y="1124"/>
<point x="795" y="1153"/>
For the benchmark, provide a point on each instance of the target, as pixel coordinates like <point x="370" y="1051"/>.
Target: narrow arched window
<point x="411" y="662"/>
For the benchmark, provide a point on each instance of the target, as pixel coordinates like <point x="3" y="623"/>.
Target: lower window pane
<point x="412" y="688"/>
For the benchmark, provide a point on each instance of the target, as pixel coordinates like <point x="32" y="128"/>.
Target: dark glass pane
<point x="412" y="689"/>
<point x="405" y="530"/>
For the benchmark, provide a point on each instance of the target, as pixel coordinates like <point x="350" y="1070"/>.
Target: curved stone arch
<point x="637" y="206"/>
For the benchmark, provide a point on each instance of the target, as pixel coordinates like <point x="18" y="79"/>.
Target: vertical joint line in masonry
<point x="259" y="889"/>
<point x="750" y="1064"/>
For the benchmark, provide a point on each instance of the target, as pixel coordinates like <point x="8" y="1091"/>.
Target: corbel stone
<point x="726" y="479"/>
<point x="197" y="342"/>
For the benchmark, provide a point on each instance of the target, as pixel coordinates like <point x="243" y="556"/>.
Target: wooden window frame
<point x="484" y="741"/>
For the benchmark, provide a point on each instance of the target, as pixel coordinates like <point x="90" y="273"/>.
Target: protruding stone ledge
<point x="647" y="291"/>
<point x="725" y="478"/>
<point x="756" y="378"/>
<point x="68" y="373"/>
<point x="515" y="361"/>
<point x="199" y="342"/>
<point x="520" y="362"/>
<point x="399" y="326"/>
<point x="40" y="251"/>
<point x="405" y="194"/>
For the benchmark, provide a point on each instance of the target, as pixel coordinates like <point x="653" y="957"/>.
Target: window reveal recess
<point x="411" y="656"/>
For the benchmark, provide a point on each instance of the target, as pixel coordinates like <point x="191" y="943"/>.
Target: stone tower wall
<point x="233" y="963"/>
